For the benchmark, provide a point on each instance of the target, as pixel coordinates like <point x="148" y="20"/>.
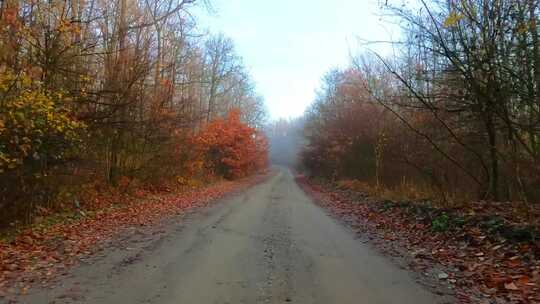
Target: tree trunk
<point x="493" y="191"/>
<point x="536" y="59"/>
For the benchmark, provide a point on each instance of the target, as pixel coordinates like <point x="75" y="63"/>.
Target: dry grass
<point x="406" y="191"/>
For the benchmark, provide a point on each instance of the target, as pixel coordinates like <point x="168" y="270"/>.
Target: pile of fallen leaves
<point x="37" y="254"/>
<point x="487" y="255"/>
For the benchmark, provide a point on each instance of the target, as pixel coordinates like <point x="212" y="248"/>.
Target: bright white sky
<point x="288" y="45"/>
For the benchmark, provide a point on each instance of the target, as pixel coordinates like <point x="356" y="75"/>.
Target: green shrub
<point x="441" y="223"/>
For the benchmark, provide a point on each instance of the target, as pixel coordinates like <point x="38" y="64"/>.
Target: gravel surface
<point x="269" y="244"/>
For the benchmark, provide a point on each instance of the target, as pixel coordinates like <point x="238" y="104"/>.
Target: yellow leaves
<point x="86" y="78"/>
<point x="26" y="81"/>
<point x="7" y="162"/>
<point x="30" y="117"/>
<point x="6" y="80"/>
<point x="523" y="28"/>
<point x="64" y="26"/>
<point x="453" y="19"/>
<point x="68" y="29"/>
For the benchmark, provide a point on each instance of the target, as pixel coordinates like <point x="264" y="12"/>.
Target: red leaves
<point x="511" y="286"/>
<point x="230" y="148"/>
<point x="40" y="253"/>
<point x="480" y="266"/>
<point x="10" y="15"/>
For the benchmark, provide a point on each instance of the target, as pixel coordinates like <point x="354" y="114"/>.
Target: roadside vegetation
<point x="99" y="99"/>
<point x="113" y="114"/>
<point x="444" y="137"/>
<point x="455" y="113"/>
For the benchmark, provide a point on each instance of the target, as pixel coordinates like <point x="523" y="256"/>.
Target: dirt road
<point x="270" y="244"/>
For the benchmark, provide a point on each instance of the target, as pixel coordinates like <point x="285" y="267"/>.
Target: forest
<point x="136" y="144"/>
<point x="111" y="96"/>
<point x="453" y="114"/>
<point x="432" y="148"/>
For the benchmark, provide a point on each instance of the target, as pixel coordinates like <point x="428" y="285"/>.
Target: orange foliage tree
<point x="230" y="148"/>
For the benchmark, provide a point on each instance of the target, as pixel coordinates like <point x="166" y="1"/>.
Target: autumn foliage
<point x="230" y="148"/>
<point x="34" y="124"/>
<point x="49" y="249"/>
<point x="450" y="114"/>
<point x="479" y="256"/>
<point x="92" y="100"/>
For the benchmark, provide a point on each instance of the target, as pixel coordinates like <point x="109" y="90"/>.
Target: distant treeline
<point x="286" y="140"/>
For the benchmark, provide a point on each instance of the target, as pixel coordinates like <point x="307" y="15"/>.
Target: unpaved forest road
<point x="270" y="244"/>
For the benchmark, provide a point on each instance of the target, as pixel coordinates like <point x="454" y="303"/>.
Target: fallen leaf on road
<point x="511" y="286"/>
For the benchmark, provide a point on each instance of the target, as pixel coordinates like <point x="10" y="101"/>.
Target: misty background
<point x="286" y="139"/>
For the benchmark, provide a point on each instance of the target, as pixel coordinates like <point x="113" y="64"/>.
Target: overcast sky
<point x="288" y="45"/>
